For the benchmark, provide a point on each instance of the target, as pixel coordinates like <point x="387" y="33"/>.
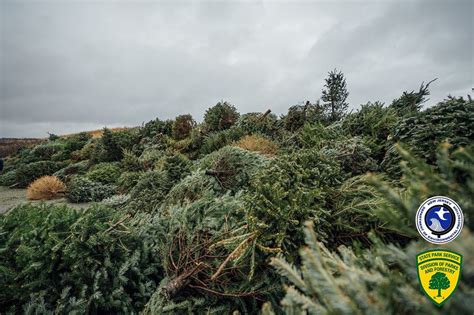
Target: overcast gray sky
<point x="77" y="65"/>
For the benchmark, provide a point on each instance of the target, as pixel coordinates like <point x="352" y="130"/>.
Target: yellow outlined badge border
<point x="438" y="259"/>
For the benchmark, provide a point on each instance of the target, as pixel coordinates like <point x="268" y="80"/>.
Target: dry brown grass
<point x="97" y="133"/>
<point x="258" y="144"/>
<point x="46" y="188"/>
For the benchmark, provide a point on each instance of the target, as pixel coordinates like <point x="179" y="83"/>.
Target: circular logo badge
<point x="439" y="220"/>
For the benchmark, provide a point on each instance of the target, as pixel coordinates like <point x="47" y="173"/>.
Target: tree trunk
<point x="439" y="293"/>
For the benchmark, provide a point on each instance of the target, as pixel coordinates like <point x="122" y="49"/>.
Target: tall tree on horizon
<point x="334" y="96"/>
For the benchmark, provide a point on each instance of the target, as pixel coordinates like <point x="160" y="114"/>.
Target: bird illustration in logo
<point x="438" y="220"/>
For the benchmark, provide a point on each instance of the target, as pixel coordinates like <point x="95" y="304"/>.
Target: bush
<point x="216" y="140"/>
<point x="8" y="178"/>
<point x="232" y="167"/>
<point x="265" y="123"/>
<point x="220" y="117"/>
<point x="450" y="120"/>
<point x="258" y="144"/>
<point x="29" y="172"/>
<point x="153" y="186"/>
<point x="81" y="189"/>
<point x="378" y="280"/>
<point x="78" y="168"/>
<point x="299" y="115"/>
<point x="130" y="162"/>
<point x="105" y="173"/>
<point x="76" y="142"/>
<point x="116" y="201"/>
<point x="182" y="126"/>
<point x="151" y="155"/>
<point x="59" y="260"/>
<point x="46" y="188"/>
<point x="46" y="151"/>
<point x="156" y="127"/>
<point x="128" y="180"/>
<point x="375" y="123"/>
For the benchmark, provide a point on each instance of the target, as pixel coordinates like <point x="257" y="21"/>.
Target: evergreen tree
<point x="334" y="96"/>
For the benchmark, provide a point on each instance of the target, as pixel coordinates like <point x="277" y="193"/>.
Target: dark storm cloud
<point x="68" y="66"/>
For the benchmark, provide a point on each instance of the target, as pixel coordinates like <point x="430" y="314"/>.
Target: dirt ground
<point x="13" y="197"/>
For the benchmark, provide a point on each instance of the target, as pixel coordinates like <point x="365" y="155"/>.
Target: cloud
<point x="89" y="64"/>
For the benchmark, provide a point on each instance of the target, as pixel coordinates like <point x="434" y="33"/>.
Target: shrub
<point x="232" y="167"/>
<point x="81" y="189"/>
<point x="258" y="144"/>
<point x="265" y="123"/>
<point x="299" y="115"/>
<point x="182" y="126"/>
<point x="59" y="260"/>
<point x="116" y="201"/>
<point x="156" y="127"/>
<point x="128" y="180"/>
<point x="131" y="162"/>
<point x="193" y="187"/>
<point x="8" y="178"/>
<point x="78" y="168"/>
<point x="375" y="123"/>
<point x="450" y="120"/>
<point x="46" y="188"/>
<point x="151" y="155"/>
<point x="105" y="173"/>
<point x="46" y="151"/>
<point x="29" y="172"/>
<point x="220" y="117"/>
<point x="218" y="271"/>
<point x="216" y="140"/>
<point x="453" y="173"/>
<point x="76" y="142"/>
<point x="149" y="191"/>
<point x="379" y="280"/>
<point x="153" y="186"/>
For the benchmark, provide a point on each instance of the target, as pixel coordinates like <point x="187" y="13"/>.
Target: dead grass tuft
<point x="258" y="144"/>
<point x="46" y="188"/>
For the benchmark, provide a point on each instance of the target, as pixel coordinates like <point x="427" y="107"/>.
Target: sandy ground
<point x="13" y="197"/>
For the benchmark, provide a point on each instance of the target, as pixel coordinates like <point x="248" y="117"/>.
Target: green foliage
<point x="334" y="96"/>
<point x="45" y="151"/>
<point x="252" y="123"/>
<point x="208" y="261"/>
<point x="451" y="120"/>
<point x="76" y="142"/>
<point x="90" y="261"/>
<point x="128" y="180"/>
<point x="182" y="126"/>
<point x="375" y="123"/>
<point x="232" y="167"/>
<point x="131" y="162"/>
<point x="352" y="153"/>
<point x="193" y="187"/>
<point x="377" y="280"/>
<point x="410" y="103"/>
<point x="105" y="173"/>
<point x="27" y="173"/>
<point x="220" y="117"/>
<point x="112" y="144"/>
<point x="453" y="174"/>
<point x="156" y="127"/>
<point x="216" y="140"/>
<point x="299" y="115"/>
<point x="8" y="178"/>
<point x="82" y="189"/>
<point x="151" y="155"/>
<point x="309" y="186"/>
<point x="79" y="168"/>
<point x="152" y="188"/>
